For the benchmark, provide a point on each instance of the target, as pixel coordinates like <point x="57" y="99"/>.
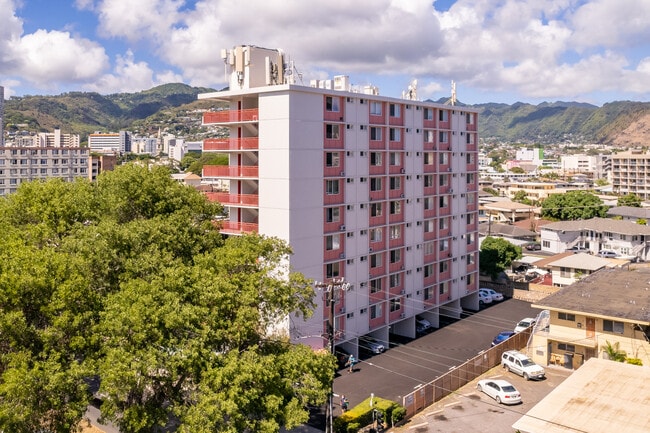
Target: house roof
<point x="620" y="293"/>
<point x="509" y="206"/>
<point x="545" y="262"/>
<point x="600" y="396"/>
<point x="581" y="261"/>
<point x="629" y="211"/>
<point x="508" y="230"/>
<point x="600" y="225"/>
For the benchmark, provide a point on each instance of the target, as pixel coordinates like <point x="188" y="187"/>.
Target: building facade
<point x="630" y="173"/>
<point x="20" y="164"/>
<point x="119" y="142"/>
<point x="380" y="191"/>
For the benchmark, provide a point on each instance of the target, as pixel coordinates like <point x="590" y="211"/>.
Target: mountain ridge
<point x="617" y="123"/>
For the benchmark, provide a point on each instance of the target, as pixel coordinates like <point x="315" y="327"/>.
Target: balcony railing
<point x="231" y="116"/>
<point x="234" y="227"/>
<point x="228" y="171"/>
<point x="234" y="199"/>
<point x="226" y="144"/>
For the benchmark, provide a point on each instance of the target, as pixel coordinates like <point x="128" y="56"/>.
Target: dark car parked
<point x="533" y="246"/>
<point x="502" y="336"/>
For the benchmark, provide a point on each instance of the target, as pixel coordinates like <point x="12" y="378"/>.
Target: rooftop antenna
<point x="412" y="92"/>
<point x="452" y="100"/>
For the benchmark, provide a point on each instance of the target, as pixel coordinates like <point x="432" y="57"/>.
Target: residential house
<point x="610" y="307"/>
<point x="573" y="267"/>
<point x="628" y="239"/>
<point x="506" y="211"/>
<point x="629" y="213"/>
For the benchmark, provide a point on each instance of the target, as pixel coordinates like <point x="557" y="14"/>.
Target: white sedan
<point x="500" y="390"/>
<point x="496" y="296"/>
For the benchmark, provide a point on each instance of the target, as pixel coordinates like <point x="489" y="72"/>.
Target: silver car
<point x="500" y="390"/>
<point x="371" y="344"/>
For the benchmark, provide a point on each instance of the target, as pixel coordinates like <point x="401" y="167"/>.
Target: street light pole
<point x="332" y="290"/>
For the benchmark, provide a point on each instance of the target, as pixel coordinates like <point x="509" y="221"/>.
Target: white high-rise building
<point x="380" y="191"/>
<point x="2" y="116"/>
<point x="119" y="142"/>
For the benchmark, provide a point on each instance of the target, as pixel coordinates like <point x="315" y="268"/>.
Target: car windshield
<point x="527" y="362"/>
<point x="508" y="388"/>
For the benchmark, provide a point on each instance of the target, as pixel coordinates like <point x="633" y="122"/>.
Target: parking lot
<point x="471" y="410"/>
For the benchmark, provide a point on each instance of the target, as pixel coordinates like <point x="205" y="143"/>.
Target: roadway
<point x="407" y="365"/>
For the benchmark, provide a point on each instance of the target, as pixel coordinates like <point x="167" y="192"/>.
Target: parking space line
<point x="424" y="424"/>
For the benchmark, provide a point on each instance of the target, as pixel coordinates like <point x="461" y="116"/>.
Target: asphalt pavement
<point x="407" y="365"/>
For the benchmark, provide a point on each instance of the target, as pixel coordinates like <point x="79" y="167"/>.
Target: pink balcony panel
<point x="233" y="199"/>
<point x="429" y="123"/>
<point x="377" y="170"/>
<point x="377" y="144"/>
<point x="396" y="169"/>
<point x="333" y="198"/>
<point x="396" y="218"/>
<point x="444" y="124"/>
<point x="429" y="213"/>
<point x="231" y="116"/>
<point x="330" y="255"/>
<point x="380" y="321"/>
<point x="396" y="267"/>
<point x="430" y="280"/>
<point x="394" y="243"/>
<point x="234" y="227"/>
<point x="377" y="195"/>
<point x="430" y="236"/>
<point x="430" y="190"/>
<point x="230" y="144"/>
<point x="333" y="171"/>
<point x="230" y="171"/>
<point x="375" y="272"/>
<point x="333" y="143"/>
<point x="444" y="297"/>
<point x="396" y="193"/>
<point x="374" y="119"/>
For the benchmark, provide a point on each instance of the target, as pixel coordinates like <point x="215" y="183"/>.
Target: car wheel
<point x="479" y="388"/>
<point x="498" y="399"/>
<point x="526" y="376"/>
<point x="507" y="368"/>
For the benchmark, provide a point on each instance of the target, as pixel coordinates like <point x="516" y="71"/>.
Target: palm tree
<point x="614" y="353"/>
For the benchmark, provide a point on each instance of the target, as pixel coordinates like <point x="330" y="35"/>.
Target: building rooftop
<point x="581" y="261"/>
<point x="600" y="225"/>
<point x="629" y="211"/>
<point x="508" y="230"/>
<point x="601" y="396"/>
<point x="622" y="293"/>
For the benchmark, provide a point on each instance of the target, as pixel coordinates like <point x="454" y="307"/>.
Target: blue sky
<point x="594" y="51"/>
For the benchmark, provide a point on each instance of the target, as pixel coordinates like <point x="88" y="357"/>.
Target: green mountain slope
<point x="172" y="107"/>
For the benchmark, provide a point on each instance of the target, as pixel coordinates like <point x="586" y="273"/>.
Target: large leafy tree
<point x="573" y="205"/>
<point x="128" y="281"/>
<point x="631" y="199"/>
<point x="496" y="255"/>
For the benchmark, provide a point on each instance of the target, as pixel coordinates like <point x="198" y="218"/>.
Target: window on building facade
<point x="566" y="316"/>
<point x="613" y="326"/>
<point x="395" y="304"/>
<point x="375" y="311"/>
<point x="428" y="136"/>
<point x="470" y="178"/>
<point x="428" y="203"/>
<point x="443" y="115"/>
<point x="428" y="181"/>
<point x="332" y="159"/>
<point x="429" y="248"/>
<point x="375" y="235"/>
<point x="444" y="287"/>
<point x="395" y="182"/>
<point x="428" y="271"/>
<point x="428" y="114"/>
<point x="470" y="259"/>
<point x="394" y="134"/>
<point x="429" y="226"/>
<point x="427" y="293"/>
<point x="444" y="201"/>
<point x="395" y="158"/>
<point x="395" y="232"/>
<point x="395" y="207"/>
<point x="375" y="108"/>
<point x="394" y="110"/>
<point x="375" y="133"/>
<point x="394" y="280"/>
<point x="443" y="179"/>
<point x="375" y="184"/>
<point x="444" y="266"/>
<point x="395" y="256"/>
<point x="375" y="158"/>
<point x="376" y="260"/>
<point x="332" y="131"/>
<point x="332" y="270"/>
<point x="443" y="137"/>
<point x="375" y="209"/>
<point x="429" y="158"/>
<point x="332" y="187"/>
<point x="332" y="214"/>
<point x="375" y="285"/>
<point x="332" y="104"/>
<point x="333" y="242"/>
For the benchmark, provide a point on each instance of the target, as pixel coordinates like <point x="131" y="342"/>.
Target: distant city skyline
<point x="593" y="51"/>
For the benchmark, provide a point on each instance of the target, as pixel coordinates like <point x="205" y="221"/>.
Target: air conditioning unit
<point x="455" y="238"/>
<point x="342" y="256"/>
<point x="370" y="250"/>
<point x="402" y="292"/>
<point x="342" y="173"/>
<point x="342" y="311"/>
<point x="449" y="169"/>
<point x="402" y="316"/>
<point x="403" y="171"/>
<point x="451" y="190"/>
<point x="401" y="195"/>
<point x="342" y="227"/>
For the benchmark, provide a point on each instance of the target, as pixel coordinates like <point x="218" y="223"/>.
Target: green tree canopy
<point x="573" y="205"/>
<point x="128" y="281"/>
<point x="522" y="197"/>
<point x="496" y="255"/>
<point x="632" y="200"/>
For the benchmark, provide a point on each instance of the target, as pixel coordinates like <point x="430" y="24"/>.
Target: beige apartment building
<point x="630" y="173"/>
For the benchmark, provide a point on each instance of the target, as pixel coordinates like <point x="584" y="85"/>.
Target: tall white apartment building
<point x="57" y="139"/>
<point x="630" y="173"/>
<point x="380" y="191"/>
<point x="119" y="142"/>
<point x="2" y="116"/>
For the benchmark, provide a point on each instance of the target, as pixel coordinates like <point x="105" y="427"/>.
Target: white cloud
<point x="135" y="20"/>
<point x="130" y="76"/>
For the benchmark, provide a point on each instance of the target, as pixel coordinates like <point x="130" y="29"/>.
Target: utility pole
<point x="332" y="291"/>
